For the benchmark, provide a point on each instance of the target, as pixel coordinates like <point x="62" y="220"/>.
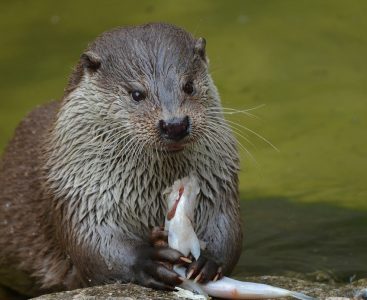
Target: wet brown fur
<point x="47" y="243"/>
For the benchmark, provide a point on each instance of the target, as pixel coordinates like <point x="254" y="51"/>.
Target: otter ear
<point x="199" y="48"/>
<point x="90" y="60"/>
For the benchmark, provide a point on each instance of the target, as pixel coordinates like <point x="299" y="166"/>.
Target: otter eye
<point x="188" y="88"/>
<point x="137" y="95"/>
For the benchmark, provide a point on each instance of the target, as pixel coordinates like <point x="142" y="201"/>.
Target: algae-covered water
<point x="304" y="206"/>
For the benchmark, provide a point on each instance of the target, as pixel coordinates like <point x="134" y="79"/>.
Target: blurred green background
<point x="305" y="207"/>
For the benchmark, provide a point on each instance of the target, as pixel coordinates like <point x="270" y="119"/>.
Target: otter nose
<point x="174" y="129"/>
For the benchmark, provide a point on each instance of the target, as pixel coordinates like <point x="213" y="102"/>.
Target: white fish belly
<point x="234" y="289"/>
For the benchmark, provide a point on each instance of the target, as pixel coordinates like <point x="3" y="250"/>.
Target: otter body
<point x="81" y="182"/>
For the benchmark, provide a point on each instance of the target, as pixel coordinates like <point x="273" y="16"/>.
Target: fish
<point x="182" y="199"/>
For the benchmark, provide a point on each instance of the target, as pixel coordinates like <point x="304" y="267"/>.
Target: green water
<point x="305" y="207"/>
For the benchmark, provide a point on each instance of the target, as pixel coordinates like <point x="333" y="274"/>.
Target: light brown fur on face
<point x="82" y="180"/>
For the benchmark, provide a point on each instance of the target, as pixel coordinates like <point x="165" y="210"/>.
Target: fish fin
<point x="194" y="287"/>
<point x="190" y="284"/>
<point x="301" y="296"/>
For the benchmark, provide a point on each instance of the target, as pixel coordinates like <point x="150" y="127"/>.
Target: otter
<point x="81" y="181"/>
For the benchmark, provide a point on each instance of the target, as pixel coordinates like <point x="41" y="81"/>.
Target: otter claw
<point x="216" y="277"/>
<point x="198" y="277"/>
<point x="185" y="259"/>
<point x="190" y="274"/>
<point x="219" y="274"/>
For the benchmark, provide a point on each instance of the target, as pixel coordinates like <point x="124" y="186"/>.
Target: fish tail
<point x="301" y="296"/>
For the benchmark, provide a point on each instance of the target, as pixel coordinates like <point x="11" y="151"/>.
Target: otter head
<point x="153" y="83"/>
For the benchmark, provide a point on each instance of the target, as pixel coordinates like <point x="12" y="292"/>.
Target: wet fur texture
<point x="82" y="180"/>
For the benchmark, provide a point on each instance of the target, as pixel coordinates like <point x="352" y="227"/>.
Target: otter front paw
<point x="159" y="237"/>
<point x="153" y="267"/>
<point x="204" y="269"/>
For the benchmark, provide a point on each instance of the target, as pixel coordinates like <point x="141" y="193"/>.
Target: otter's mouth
<point x="174" y="147"/>
<point x="174" y="133"/>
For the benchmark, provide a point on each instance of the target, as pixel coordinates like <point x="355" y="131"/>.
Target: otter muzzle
<point x="174" y="129"/>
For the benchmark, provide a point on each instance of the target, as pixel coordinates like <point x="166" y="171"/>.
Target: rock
<point x="356" y="290"/>
<point x="110" y="292"/>
<point x="327" y="291"/>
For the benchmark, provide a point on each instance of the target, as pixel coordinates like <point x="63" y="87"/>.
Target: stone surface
<point x="111" y="292"/>
<point x="355" y="290"/>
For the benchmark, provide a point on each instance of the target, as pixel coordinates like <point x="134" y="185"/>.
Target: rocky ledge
<point x="355" y="290"/>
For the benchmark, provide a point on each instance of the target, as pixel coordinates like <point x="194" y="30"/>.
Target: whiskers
<point x="115" y="143"/>
<point x="218" y="128"/>
<point x="232" y="111"/>
<point x="123" y="143"/>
